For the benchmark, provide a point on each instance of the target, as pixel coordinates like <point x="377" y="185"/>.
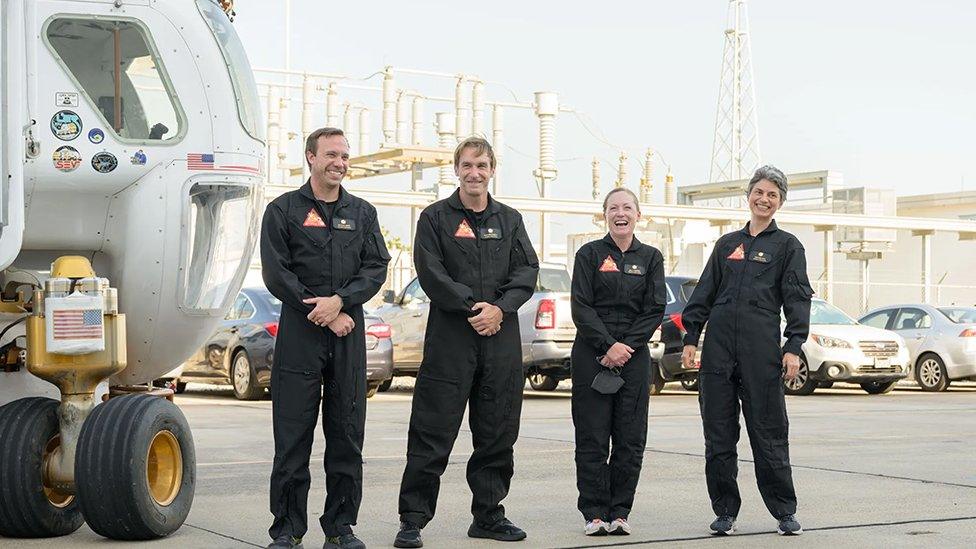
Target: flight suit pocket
<point x="800" y="285"/>
<point x="295" y="393"/>
<point x="435" y="402"/>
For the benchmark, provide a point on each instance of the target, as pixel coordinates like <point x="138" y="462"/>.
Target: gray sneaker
<point x="723" y="525"/>
<point x="788" y="526"/>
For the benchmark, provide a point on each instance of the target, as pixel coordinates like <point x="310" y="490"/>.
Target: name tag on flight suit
<point x="760" y="257"/>
<point x="343" y="224"/>
<point x="489" y="233"/>
<point x="633" y="269"/>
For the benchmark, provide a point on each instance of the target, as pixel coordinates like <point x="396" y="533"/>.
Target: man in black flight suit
<point x="323" y="256"/>
<point x="751" y="274"/>
<point x="476" y="264"/>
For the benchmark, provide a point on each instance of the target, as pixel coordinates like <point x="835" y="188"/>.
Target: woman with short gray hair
<point x="751" y="275"/>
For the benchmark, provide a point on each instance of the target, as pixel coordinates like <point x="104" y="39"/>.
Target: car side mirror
<point x="389" y="296"/>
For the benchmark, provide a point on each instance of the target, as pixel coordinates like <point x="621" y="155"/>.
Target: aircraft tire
<point x="28" y="509"/>
<point x="136" y="468"/>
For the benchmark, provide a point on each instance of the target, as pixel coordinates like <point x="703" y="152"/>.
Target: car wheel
<point x="690" y="384"/>
<point x="371" y="388"/>
<point x="803" y="384"/>
<point x="930" y="373"/>
<point x="879" y="387"/>
<point x="243" y="379"/>
<point x="657" y="380"/>
<point x="385" y="386"/>
<point x="180" y="387"/>
<point x="543" y="382"/>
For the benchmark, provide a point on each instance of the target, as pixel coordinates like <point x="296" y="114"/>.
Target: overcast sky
<point x="881" y="91"/>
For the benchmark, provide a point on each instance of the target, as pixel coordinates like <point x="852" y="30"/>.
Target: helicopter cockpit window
<point x="241" y="77"/>
<point x="219" y="235"/>
<point x="136" y="101"/>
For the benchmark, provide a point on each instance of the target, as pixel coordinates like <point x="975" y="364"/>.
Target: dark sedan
<point x="680" y="289"/>
<point x="240" y="352"/>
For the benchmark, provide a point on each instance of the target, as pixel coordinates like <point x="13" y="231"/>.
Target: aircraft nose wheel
<point x="135" y="468"/>
<point x="29" y="508"/>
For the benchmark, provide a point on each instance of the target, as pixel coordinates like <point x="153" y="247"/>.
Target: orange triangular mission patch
<point x="738" y="254"/>
<point x="464" y="230"/>
<point x="609" y="266"/>
<point x="313" y="219"/>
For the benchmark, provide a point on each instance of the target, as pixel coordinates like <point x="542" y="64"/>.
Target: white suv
<point x="840" y="349"/>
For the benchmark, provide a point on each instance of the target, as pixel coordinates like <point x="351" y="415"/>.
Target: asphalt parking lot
<point x="894" y="470"/>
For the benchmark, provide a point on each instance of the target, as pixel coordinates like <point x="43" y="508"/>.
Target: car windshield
<point x="553" y="280"/>
<point x="960" y="315"/>
<point x="273" y="303"/>
<point x="822" y="312"/>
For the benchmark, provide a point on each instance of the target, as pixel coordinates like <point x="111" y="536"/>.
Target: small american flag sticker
<point x="77" y="324"/>
<point x="197" y="161"/>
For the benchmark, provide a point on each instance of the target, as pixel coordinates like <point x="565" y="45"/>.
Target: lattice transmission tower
<point x="735" y="149"/>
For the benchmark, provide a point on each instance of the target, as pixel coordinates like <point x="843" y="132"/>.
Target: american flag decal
<point x="197" y="161"/>
<point x="77" y="324"/>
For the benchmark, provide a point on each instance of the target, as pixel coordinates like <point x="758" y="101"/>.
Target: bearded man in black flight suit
<point x="323" y="256"/>
<point x="476" y="264"/>
<point x="751" y="274"/>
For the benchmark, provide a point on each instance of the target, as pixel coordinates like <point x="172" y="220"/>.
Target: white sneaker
<point x="619" y="527"/>
<point x="595" y="527"/>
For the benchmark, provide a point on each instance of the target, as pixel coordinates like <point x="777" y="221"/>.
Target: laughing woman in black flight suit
<point x="618" y="301"/>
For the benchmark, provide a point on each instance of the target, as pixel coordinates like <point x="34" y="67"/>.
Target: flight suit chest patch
<point x="632" y="269"/>
<point x="343" y="224"/>
<point x="609" y="266"/>
<point x="464" y="230"/>
<point x="738" y="254"/>
<point x="761" y="257"/>
<point x="313" y="219"/>
<point x="489" y="233"/>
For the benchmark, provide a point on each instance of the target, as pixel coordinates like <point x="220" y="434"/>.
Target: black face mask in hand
<point x="608" y="381"/>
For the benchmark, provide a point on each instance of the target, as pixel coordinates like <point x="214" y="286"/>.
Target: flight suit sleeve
<point x="696" y="312"/>
<point x="796" y="292"/>
<point x="523" y="273"/>
<point x="374" y="259"/>
<point x="276" y="261"/>
<point x="652" y="307"/>
<point x="428" y="258"/>
<point x="588" y="323"/>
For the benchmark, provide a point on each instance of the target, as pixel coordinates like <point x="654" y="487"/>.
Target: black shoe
<point x="286" y="542"/>
<point x="788" y="526"/>
<point x="345" y="541"/>
<point x="408" y="536"/>
<point x="501" y="530"/>
<point x="723" y="525"/>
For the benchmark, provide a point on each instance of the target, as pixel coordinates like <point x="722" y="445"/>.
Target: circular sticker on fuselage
<point x="96" y="135"/>
<point x="66" y="125"/>
<point x="104" y="162"/>
<point x="66" y="159"/>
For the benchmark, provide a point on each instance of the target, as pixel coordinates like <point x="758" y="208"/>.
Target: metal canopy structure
<point x="826" y="180"/>
<point x="399" y="159"/>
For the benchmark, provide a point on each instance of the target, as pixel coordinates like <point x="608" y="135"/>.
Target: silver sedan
<point x="941" y="340"/>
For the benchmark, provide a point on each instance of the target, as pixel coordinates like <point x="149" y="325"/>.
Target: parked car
<point x="668" y="366"/>
<point x="241" y="350"/>
<point x="545" y="323"/>
<point x="941" y="340"/>
<point x="840" y="349"/>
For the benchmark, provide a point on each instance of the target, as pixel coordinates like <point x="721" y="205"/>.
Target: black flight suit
<point x="745" y="283"/>
<point x="304" y="254"/>
<point x="617" y="296"/>
<point x="460" y="262"/>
